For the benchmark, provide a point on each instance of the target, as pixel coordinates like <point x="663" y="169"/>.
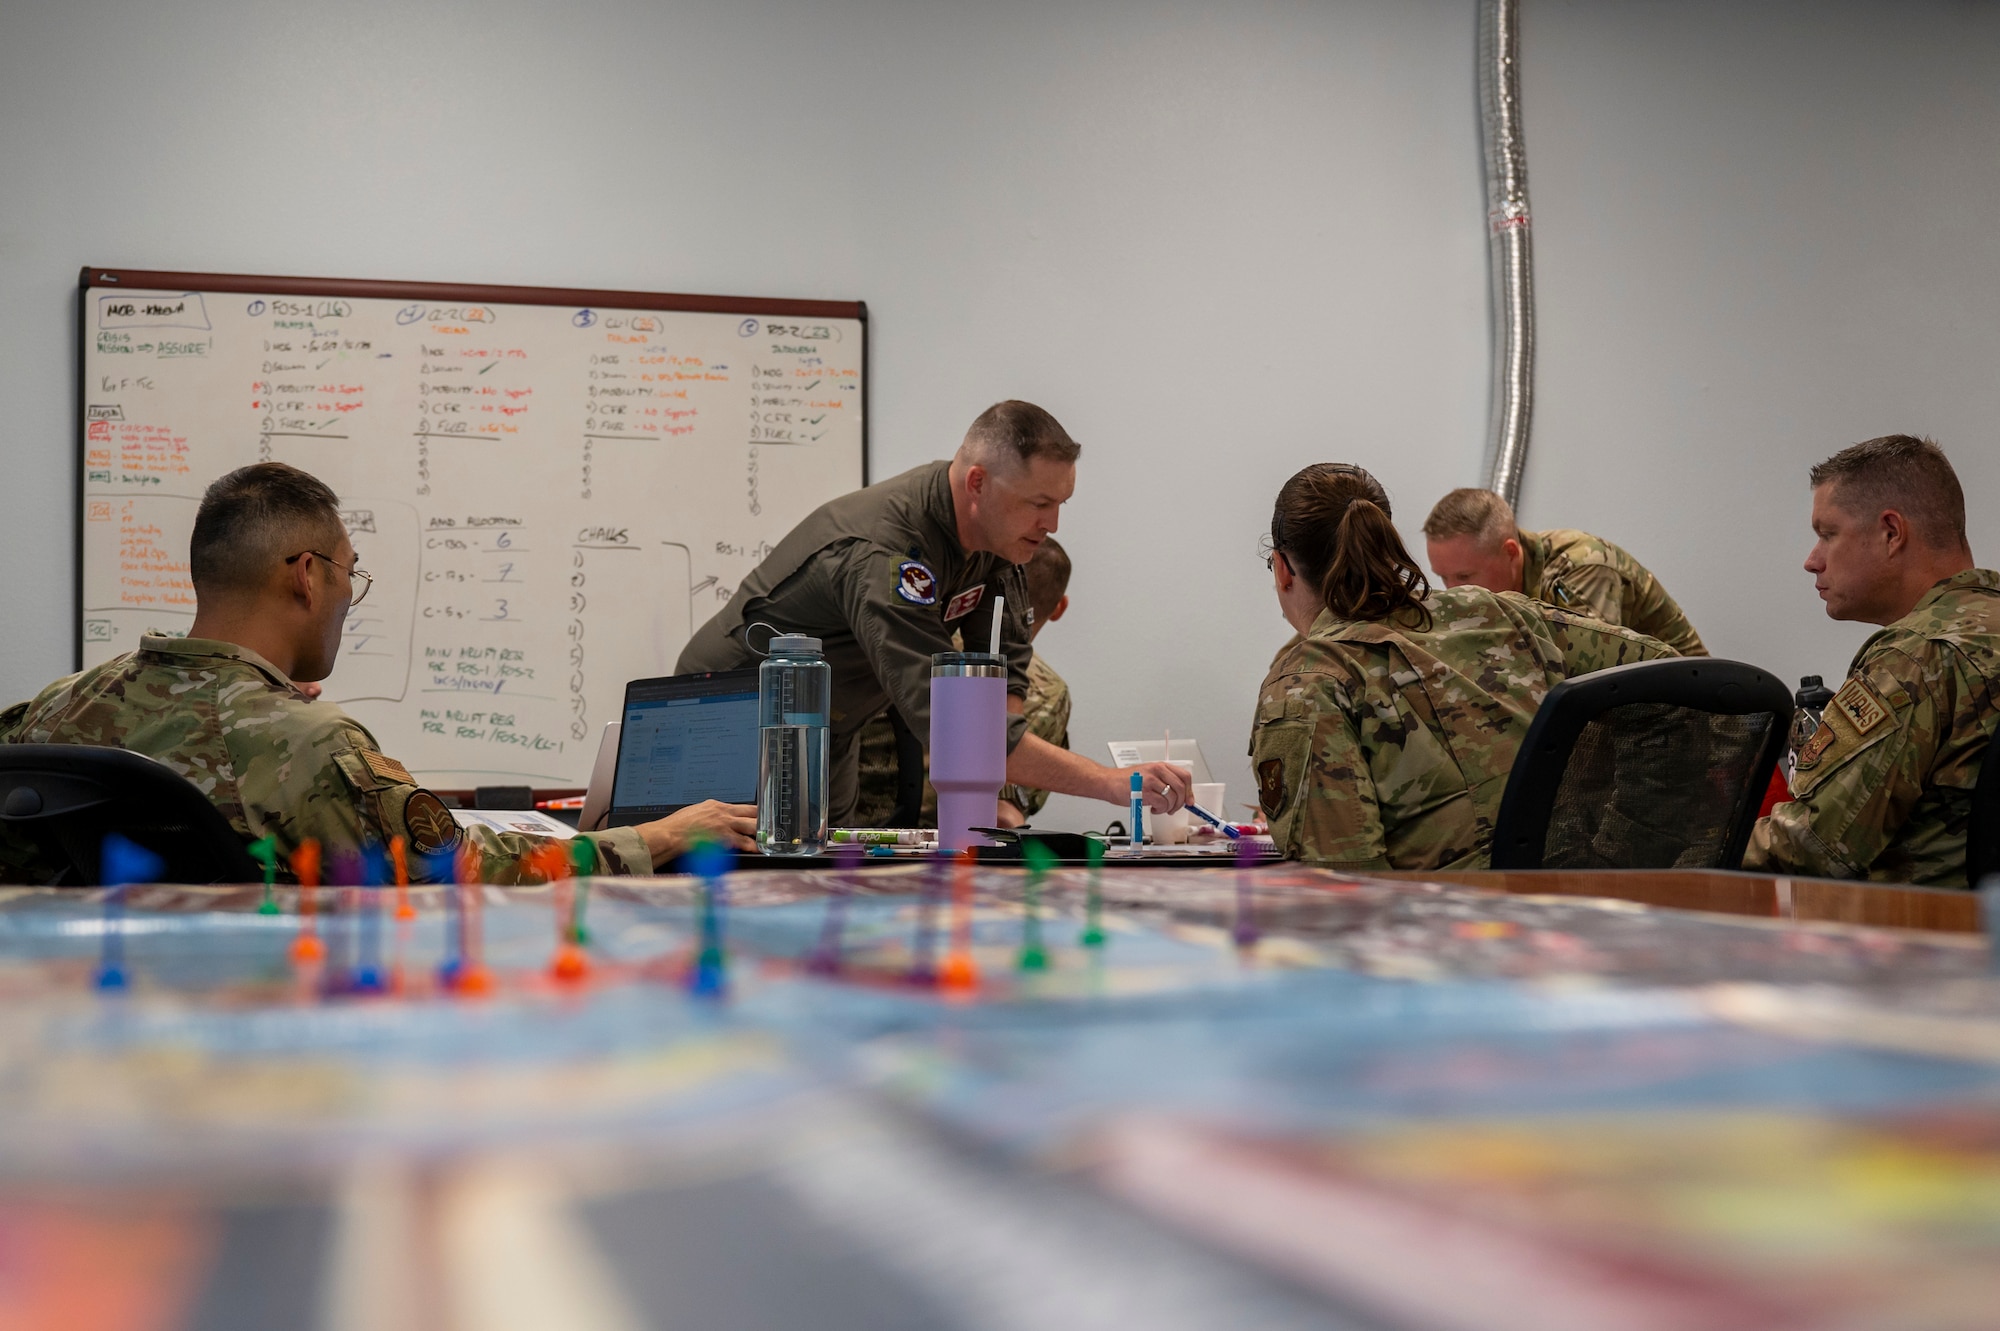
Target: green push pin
<point x="1093" y="924"/>
<point x="583" y="854"/>
<point x="1034" y="957"/>
<point x="264" y="850"/>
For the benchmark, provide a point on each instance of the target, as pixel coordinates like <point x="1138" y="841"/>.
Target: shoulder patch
<point x="964" y="603"/>
<point x="915" y="583"/>
<point x="382" y="765"/>
<point x="1860" y="705"/>
<point x="1822" y="739"/>
<point x="433" y="831"/>
<point x="1271" y="787"/>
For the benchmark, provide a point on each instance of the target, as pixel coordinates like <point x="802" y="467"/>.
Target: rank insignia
<point x="964" y="603"/>
<point x="916" y="584"/>
<point x="433" y="830"/>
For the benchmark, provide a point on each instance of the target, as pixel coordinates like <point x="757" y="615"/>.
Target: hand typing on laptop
<point x="734" y="825"/>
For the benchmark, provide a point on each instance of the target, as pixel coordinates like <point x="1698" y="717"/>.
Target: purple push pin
<point x="1245" y="932"/>
<point x="825" y="959"/>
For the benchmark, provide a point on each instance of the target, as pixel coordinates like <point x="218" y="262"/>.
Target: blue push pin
<point x="374" y="873"/>
<point x="710" y="860"/>
<point x="122" y="862"/>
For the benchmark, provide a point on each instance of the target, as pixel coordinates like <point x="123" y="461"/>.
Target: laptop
<point x="597" y="795"/>
<point x="683" y="739"/>
<point x="1132" y="752"/>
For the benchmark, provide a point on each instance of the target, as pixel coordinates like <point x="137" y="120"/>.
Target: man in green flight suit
<point x="885" y="576"/>
<point x="231" y="706"/>
<point x="1471" y="537"/>
<point x="1883" y="789"/>
<point x="1047" y="713"/>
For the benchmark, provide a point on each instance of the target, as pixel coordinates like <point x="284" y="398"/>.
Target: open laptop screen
<point x="685" y="739"/>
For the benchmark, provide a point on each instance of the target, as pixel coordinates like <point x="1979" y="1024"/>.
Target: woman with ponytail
<point x="1385" y="732"/>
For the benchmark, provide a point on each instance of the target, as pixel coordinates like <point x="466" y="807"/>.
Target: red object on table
<point x="1774" y="794"/>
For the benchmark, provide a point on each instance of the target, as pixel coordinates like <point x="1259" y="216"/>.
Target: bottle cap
<point x="795" y="644"/>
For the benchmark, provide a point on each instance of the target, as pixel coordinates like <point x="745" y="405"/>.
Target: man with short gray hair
<point x="1883" y="789"/>
<point x="886" y="575"/>
<point x="1472" y="537"/>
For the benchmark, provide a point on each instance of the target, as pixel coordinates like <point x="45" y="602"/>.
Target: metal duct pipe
<point x="1511" y="258"/>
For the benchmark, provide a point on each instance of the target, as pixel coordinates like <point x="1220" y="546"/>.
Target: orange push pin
<point x="305" y="867"/>
<point x="958" y="970"/>
<point x="399" y="855"/>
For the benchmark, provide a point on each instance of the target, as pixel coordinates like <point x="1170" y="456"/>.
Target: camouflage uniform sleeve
<point x="1594" y="590"/>
<point x="1048" y="716"/>
<point x="10" y="721"/>
<point x="333" y="785"/>
<point x="1588" y="645"/>
<point x="1313" y="782"/>
<point x="899" y="637"/>
<point x="1860" y="774"/>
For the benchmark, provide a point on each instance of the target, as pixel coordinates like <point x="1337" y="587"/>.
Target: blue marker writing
<point x="1214" y="822"/>
<point x="1138" y="811"/>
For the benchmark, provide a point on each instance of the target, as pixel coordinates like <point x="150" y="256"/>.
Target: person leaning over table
<point x="1471" y="537"/>
<point x="230" y="706"/>
<point x="1046" y="580"/>
<point x="1883" y="789"/>
<point x="886" y="575"/>
<point x="1383" y="738"/>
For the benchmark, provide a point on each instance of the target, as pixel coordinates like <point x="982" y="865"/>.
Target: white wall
<point x="1218" y="241"/>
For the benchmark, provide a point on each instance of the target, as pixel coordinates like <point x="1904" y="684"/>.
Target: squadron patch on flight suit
<point x="916" y="584"/>
<point x="432" y="828"/>
<point x="964" y="603"/>
<point x="1861" y="705"/>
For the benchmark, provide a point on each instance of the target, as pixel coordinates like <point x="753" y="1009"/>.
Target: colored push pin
<point x="1093" y="907"/>
<point x="1245" y="933"/>
<point x="960" y="972"/>
<point x="551" y="863"/>
<point x="305" y="867"/>
<point x="399" y="857"/>
<point x="924" y="944"/>
<point x="122" y="862"/>
<point x="583" y="857"/>
<point x="710" y="861"/>
<point x="367" y="978"/>
<point x="1035" y="957"/>
<point x="825" y="958"/>
<point x="264" y="850"/>
<point x="472" y="978"/>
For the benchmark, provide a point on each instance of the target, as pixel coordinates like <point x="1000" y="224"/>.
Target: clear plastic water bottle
<point x="794" y="696"/>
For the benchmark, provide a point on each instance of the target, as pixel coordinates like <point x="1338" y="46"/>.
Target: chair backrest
<point x="1982" y="834"/>
<point x="1655" y="765"/>
<point x="66" y="797"/>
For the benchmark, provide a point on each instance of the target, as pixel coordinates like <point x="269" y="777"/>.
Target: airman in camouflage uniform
<point x="1380" y="744"/>
<point x="1883" y="790"/>
<point x="1590" y="575"/>
<point x="272" y="760"/>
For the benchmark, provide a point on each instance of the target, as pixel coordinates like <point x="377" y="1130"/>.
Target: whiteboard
<point x="552" y="489"/>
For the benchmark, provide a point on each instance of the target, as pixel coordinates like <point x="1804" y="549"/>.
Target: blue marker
<point x="1138" y="811"/>
<point x="1214" y="822"/>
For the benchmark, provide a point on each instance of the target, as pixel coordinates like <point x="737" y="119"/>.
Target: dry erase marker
<point x="880" y="836"/>
<point x="1213" y="821"/>
<point x="1138" y="810"/>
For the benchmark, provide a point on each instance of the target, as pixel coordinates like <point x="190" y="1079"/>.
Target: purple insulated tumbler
<point x="968" y="743"/>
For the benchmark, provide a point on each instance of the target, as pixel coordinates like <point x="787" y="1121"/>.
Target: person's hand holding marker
<point x="1167" y="787"/>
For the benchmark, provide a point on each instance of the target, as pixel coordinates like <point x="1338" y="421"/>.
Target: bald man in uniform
<point x="1883" y="789"/>
<point x="885" y="576"/>
<point x="1472" y="537"/>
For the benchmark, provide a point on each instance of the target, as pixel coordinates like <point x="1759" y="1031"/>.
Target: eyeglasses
<point x="353" y="572"/>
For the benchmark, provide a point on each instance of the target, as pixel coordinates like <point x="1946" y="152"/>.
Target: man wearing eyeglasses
<point x="230" y="705"/>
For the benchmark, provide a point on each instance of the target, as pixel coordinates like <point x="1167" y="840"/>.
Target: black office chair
<point x="1660" y="764"/>
<point x="1982" y="834"/>
<point x="65" y="798"/>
